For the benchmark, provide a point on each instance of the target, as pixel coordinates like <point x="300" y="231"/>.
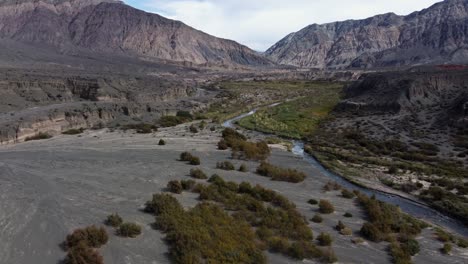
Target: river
<point x="418" y="210"/>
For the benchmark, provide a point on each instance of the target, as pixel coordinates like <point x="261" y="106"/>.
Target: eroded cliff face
<point x="32" y="103"/>
<point x="438" y="94"/>
<point x="111" y="27"/>
<point x="438" y="34"/>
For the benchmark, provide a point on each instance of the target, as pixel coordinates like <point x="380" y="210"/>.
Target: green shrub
<point x="446" y="249"/>
<point x="346" y="231"/>
<point x="304" y="249"/>
<point x="195" y="161"/>
<point x="280" y="174"/>
<point x="83" y="254"/>
<point x="463" y="243"/>
<point x="241" y="148"/>
<point x="91" y="236"/>
<point x="222" y="145"/>
<point x="324" y="239"/>
<point x="129" y="230"/>
<point x="279" y="245"/>
<point x="175" y="187"/>
<point x="225" y="165"/>
<point x="399" y="255"/>
<point x="73" y="131"/>
<point x="198" y="174"/>
<point x="39" y="136"/>
<point x="170" y="121"/>
<point x="329" y="255"/>
<point x="162" y="142"/>
<point x="347" y="194"/>
<point x="371" y="232"/>
<point x="325" y="207"/>
<point x="312" y="202"/>
<point x="185" y="115"/>
<point x="141" y="128"/>
<point x="188" y="185"/>
<point x="317" y="219"/>
<point x="185" y="156"/>
<point x="243" y="168"/>
<point x="411" y="246"/>
<point x="114" y="220"/>
<point x="347" y="214"/>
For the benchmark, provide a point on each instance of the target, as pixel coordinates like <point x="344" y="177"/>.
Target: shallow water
<point x="413" y="208"/>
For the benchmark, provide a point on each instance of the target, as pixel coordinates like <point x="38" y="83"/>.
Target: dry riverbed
<point x="50" y="187"/>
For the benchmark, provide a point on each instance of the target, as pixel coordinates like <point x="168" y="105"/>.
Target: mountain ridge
<point x="110" y="26"/>
<point x="382" y="40"/>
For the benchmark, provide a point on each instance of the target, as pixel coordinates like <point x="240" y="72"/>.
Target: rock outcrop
<point x="436" y="35"/>
<point x="440" y="95"/>
<point x="112" y="27"/>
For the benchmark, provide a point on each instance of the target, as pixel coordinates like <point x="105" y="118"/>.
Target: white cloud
<point x="260" y="23"/>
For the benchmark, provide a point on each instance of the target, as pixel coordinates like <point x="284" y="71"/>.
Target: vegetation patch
<point x="207" y="234"/>
<point x="82" y="243"/>
<point x="325" y="207"/>
<point x="39" y="136"/>
<point x="297" y="118"/>
<point x="129" y="230"/>
<point x="241" y="148"/>
<point x="280" y="174"/>
<point x="141" y="128"/>
<point x="225" y="165"/>
<point x="114" y="220"/>
<point x="73" y="131"/>
<point x="198" y="174"/>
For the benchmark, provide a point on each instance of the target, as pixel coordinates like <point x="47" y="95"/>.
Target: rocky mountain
<point x="436" y="35"/>
<point x="112" y="27"/>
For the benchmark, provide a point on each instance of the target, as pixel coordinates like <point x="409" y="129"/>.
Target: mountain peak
<point x="431" y="36"/>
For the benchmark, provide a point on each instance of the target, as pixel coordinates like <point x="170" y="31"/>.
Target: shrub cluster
<point x="141" y="128"/>
<point x="180" y="118"/>
<point x="280" y="174"/>
<point x="129" y="230"/>
<point x="73" y="131"/>
<point x="39" y="136"/>
<point x="324" y="239"/>
<point x="241" y="148"/>
<point x="317" y="219"/>
<point x="82" y="243"/>
<point x="198" y="174"/>
<point x="192" y="160"/>
<point x="347" y="194"/>
<point x="325" y="207"/>
<point x="204" y="234"/>
<point x="175" y="187"/>
<point x="225" y="165"/>
<point x="279" y="226"/>
<point x="332" y="186"/>
<point x="114" y="220"/>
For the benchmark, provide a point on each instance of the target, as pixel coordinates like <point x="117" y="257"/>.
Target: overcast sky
<point x="261" y="23"/>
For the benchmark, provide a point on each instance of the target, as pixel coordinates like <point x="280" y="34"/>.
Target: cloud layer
<point x="261" y="23"/>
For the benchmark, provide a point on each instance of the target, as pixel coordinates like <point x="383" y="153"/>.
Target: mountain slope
<point x="108" y="26"/>
<point x="438" y="34"/>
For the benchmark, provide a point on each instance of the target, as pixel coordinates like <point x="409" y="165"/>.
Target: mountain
<point x="112" y="27"/>
<point x="436" y="35"/>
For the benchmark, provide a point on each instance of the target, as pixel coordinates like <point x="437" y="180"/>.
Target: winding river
<point x="418" y="210"/>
